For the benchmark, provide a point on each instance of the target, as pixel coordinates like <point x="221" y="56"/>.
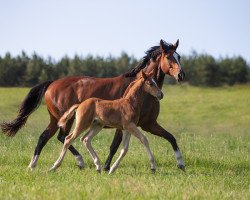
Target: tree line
<point x="200" y="69"/>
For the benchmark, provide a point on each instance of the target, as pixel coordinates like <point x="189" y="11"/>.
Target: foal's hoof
<point x="181" y="166"/>
<point x="98" y="171"/>
<point x="30" y="168"/>
<point x="52" y="169"/>
<point x="153" y="171"/>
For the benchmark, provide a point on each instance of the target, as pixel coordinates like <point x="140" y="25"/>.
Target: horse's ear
<point x="162" y="45"/>
<point x="176" y="44"/>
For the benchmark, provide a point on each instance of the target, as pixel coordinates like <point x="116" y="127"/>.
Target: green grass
<point x="212" y="129"/>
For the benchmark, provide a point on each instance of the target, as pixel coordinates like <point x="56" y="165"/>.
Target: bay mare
<point x="123" y="114"/>
<point x="61" y="94"/>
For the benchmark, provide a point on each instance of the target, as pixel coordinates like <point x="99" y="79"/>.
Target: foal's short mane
<point x="151" y="53"/>
<point x="128" y="88"/>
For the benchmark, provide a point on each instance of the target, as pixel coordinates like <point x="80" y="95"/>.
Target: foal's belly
<point x="108" y="123"/>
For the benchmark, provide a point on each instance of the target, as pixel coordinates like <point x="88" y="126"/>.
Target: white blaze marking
<point x="176" y="58"/>
<point x="153" y="80"/>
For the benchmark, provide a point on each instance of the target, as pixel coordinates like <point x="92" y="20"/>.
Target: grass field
<point x="212" y="127"/>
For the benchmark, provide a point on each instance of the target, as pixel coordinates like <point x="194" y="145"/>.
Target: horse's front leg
<point x="113" y="148"/>
<point x="156" y="129"/>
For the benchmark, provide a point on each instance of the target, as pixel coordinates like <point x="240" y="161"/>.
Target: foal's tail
<point x="67" y="115"/>
<point x="29" y="104"/>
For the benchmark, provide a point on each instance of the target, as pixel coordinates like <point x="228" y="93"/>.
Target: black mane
<point x="151" y="53"/>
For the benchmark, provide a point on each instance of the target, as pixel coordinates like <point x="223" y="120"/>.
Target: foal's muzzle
<point x="181" y="76"/>
<point x="160" y="95"/>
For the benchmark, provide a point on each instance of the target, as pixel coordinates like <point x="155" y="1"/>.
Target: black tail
<point x="29" y="104"/>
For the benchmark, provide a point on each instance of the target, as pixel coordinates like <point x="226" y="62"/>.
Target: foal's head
<point x="150" y="86"/>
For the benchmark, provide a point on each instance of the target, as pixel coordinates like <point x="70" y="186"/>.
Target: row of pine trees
<point x="200" y="69"/>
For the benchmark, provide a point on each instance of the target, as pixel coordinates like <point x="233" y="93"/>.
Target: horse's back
<point x="65" y="92"/>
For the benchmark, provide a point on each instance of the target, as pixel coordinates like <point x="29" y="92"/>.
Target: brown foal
<point x="123" y="114"/>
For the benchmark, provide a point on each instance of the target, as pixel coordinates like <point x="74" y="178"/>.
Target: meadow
<point x="211" y="125"/>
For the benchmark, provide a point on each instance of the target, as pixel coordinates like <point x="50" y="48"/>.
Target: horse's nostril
<point x="160" y="95"/>
<point x="181" y="76"/>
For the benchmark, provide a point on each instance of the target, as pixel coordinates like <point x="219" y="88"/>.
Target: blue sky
<point x="60" y="27"/>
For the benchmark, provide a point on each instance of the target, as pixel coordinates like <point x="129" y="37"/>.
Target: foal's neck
<point x="135" y="93"/>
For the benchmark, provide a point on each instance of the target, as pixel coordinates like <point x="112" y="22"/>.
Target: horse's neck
<point x="135" y="94"/>
<point x="158" y="74"/>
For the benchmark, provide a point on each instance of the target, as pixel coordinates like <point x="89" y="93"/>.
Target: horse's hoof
<point x="80" y="162"/>
<point x="81" y="167"/>
<point x="153" y="171"/>
<point x="98" y="171"/>
<point x="106" y="168"/>
<point x="181" y="166"/>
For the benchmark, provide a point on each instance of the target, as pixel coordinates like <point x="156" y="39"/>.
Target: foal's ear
<point x="151" y="74"/>
<point x="176" y="44"/>
<point x="143" y="75"/>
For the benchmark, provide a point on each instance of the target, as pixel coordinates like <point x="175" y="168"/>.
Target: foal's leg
<point x="113" y="148"/>
<point x="43" y="139"/>
<point x="124" y="150"/>
<point x="68" y="140"/>
<point x="156" y="129"/>
<point x="137" y="133"/>
<point x="86" y="140"/>
<point x="61" y="137"/>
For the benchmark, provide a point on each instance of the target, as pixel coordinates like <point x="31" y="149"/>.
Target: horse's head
<point x="163" y="58"/>
<point x="169" y="60"/>
<point x="150" y="86"/>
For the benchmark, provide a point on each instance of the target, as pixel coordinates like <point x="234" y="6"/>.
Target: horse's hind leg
<point x="43" y="139"/>
<point x="61" y="137"/>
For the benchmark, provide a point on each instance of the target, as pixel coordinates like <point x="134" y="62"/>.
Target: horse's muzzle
<point x="160" y="95"/>
<point x="181" y="76"/>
